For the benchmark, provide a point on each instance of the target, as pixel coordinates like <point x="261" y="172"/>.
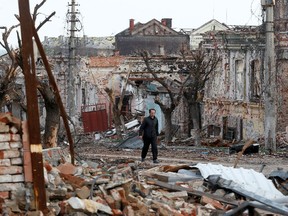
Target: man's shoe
<point x="156" y="161"/>
<point x="142" y="159"/>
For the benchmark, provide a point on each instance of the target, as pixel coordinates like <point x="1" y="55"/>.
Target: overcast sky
<point x="109" y="17"/>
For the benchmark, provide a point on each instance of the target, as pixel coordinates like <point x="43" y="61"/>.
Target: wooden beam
<point x="32" y="105"/>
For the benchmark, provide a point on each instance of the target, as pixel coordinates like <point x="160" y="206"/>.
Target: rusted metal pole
<point x="32" y="105"/>
<point x="56" y="91"/>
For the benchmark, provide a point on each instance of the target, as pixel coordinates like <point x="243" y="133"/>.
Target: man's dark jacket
<point x="150" y="127"/>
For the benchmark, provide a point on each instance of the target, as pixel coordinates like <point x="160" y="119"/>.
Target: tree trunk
<point x="195" y="114"/>
<point x="52" y="121"/>
<point x="117" y="121"/>
<point x="168" y="126"/>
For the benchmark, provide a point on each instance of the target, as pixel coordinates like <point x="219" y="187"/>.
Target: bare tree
<point x="175" y="95"/>
<point x="200" y="66"/>
<point x="52" y="109"/>
<point x="194" y="70"/>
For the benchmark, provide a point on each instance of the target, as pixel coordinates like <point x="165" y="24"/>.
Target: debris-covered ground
<point x="185" y="152"/>
<point x="109" y="179"/>
<point x="188" y="181"/>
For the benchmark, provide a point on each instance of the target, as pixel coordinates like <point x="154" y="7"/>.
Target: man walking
<point x="148" y="132"/>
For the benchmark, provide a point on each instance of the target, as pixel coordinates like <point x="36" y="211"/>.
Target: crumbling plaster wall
<point x="228" y="95"/>
<point x="143" y="99"/>
<point x="281" y="25"/>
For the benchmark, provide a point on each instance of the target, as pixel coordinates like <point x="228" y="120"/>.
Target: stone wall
<point x="11" y="157"/>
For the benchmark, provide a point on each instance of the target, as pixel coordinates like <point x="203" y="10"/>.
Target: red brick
<point x="5" y="194"/>
<point x="11" y="170"/>
<point x="111" y="202"/>
<point x="123" y="196"/>
<point x="75" y="181"/>
<point x="215" y="203"/>
<point x="9" y="154"/>
<point x="112" y="61"/>
<point x="117" y="212"/>
<point x="128" y="211"/>
<point x="117" y="197"/>
<point x="26" y="153"/>
<point x="67" y="168"/>
<point x="5" y="117"/>
<point x="48" y="166"/>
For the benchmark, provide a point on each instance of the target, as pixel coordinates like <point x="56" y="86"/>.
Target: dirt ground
<point x="183" y="154"/>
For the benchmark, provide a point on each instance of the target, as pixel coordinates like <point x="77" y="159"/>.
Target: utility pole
<point x="270" y="93"/>
<point x="71" y="88"/>
<point x="29" y="71"/>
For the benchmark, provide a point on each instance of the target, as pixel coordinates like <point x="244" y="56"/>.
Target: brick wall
<point x="11" y="160"/>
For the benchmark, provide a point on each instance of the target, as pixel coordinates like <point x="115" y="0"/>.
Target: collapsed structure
<point x="232" y="104"/>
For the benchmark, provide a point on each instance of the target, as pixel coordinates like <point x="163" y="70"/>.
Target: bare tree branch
<point x="45" y="21"/>
<point x="36" y="8"/>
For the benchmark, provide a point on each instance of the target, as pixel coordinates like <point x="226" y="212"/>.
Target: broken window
<point x="83" y="97"/>
<point x="239" y="79"/>
<point x="255" y="80"/>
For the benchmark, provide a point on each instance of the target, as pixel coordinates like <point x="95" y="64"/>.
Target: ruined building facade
<point x="158" y="38"/>
<point x="234" y="98"/>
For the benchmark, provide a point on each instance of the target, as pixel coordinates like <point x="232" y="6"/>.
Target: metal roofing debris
<point x="132" y="142"/>
<point x="236" y="187"/>
<point x="280" y="174"/>
<point x="247" y="179"/>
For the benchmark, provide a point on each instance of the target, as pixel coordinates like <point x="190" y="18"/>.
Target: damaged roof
<point x="112" y="61"/>
<point x="145" y="29"/>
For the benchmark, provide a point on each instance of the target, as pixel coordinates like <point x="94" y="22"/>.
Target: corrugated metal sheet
<point x="248" y="179"/>
<point x="95" y="118"/>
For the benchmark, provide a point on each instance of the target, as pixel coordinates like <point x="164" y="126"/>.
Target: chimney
<point x="163" y="21"/>
<point x="167" y="22"/>
<point x="131" y="25"/>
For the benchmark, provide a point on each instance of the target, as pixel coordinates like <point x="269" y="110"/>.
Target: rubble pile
<point x="130" y="187"/>
<point x="127" y="187"/>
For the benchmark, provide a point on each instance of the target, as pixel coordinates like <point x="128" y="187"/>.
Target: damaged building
<point x="234" y="98"/>
<point x="232" y="106"/>
<point x="158" y="38"/>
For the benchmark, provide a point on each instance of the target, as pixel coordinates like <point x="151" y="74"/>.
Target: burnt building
<point x="158" y="38"/>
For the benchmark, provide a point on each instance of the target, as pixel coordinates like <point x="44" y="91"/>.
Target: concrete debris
<point x="132" y="142"/>
<point x="129" y="125"/>
<point x="252" y="149"/>
<point x="123" y="187"/>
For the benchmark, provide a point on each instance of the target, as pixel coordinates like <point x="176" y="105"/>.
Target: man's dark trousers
<point x="147" y="141"/>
